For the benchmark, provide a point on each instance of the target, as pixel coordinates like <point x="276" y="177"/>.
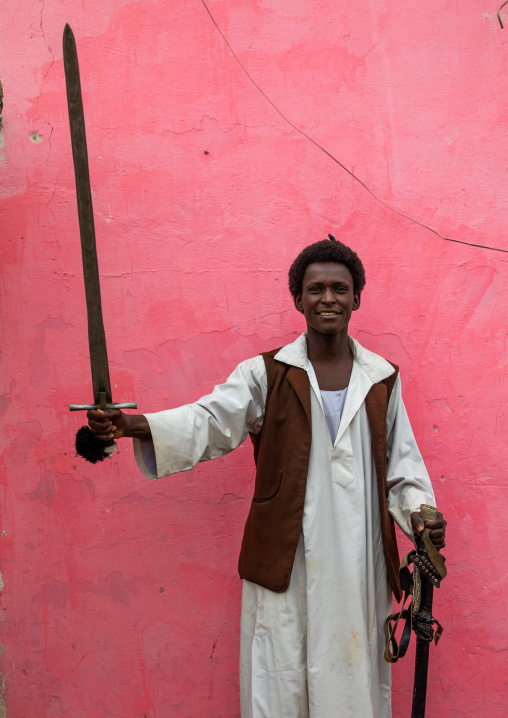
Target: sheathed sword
<point x="429" y="564"/>
<point x="87" y="445"/>
<point x="428" y="571"/>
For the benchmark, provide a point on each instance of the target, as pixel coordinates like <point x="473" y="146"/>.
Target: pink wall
<point x="121" y="595"/>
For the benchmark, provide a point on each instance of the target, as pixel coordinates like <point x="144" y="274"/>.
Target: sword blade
<point x="96" y="335"/>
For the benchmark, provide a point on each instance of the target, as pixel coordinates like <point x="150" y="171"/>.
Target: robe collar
<point x="376" y="368"/>
<point x="368" y="369"/>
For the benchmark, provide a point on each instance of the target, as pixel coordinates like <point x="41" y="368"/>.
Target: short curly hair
<point x="327" y="250"/>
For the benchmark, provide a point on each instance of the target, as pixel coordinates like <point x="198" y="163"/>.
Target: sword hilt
<point x="87" y="444"/>
<point x="429" y="513"/>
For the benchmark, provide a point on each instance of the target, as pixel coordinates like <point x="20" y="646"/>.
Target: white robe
<point x="316" y="650"/>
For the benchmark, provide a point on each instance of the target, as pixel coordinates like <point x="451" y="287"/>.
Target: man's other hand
<point x="437" y="528"/>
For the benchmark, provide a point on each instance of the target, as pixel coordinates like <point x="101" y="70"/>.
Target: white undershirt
<point x="333" y="406"/>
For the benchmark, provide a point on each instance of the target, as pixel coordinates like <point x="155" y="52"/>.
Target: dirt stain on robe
<point x="353" y="648"/>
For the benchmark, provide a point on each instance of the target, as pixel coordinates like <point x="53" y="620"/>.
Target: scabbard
<point x="424" y="632"/>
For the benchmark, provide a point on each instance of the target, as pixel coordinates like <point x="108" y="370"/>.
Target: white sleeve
<point x="211" y="427"/>
<point x="408" y="482"/>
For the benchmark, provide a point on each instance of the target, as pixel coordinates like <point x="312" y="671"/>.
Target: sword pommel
<point x="429" y="513"/>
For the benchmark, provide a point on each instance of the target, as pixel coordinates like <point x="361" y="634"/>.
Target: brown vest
<point x="281" y="453"/>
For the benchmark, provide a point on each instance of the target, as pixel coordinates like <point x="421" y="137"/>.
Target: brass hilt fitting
<point x="429" y="513"/>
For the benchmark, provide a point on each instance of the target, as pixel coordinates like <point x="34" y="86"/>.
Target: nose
<point x="328" y="297"/>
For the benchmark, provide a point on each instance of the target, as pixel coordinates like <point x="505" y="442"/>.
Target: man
<point x="318" y="554"/>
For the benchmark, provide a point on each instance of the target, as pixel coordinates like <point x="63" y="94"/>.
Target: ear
<point x="356" y="301"/>
<point x="298" y="303"/>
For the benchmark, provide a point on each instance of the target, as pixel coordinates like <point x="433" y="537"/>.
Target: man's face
<point x="327" y="297"/>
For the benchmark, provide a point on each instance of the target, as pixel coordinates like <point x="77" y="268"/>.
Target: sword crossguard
<point x="86" y="407"/>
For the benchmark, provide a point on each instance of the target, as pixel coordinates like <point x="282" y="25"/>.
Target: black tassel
<point x="89" y="446"/>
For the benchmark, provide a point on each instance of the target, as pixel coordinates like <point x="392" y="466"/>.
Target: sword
<point x="423" y="622"/>
<point x="428" y="571"/>
<point x="96" y="335"/>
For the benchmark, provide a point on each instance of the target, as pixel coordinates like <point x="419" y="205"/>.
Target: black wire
<point x="357" y="179"/>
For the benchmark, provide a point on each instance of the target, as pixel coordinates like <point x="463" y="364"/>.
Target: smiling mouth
<point x="328" y="314"/>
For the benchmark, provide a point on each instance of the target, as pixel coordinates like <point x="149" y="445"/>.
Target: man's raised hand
<point x="108" y="424"/>
<point x="114" y="424"/>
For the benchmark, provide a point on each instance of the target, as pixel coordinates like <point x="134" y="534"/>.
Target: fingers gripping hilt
<point x="88" y="446"/>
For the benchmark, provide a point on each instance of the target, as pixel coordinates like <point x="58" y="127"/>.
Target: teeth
<point x="328" y="314"/>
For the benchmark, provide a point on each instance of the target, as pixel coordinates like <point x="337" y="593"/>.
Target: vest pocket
<point x="269" y="490"/>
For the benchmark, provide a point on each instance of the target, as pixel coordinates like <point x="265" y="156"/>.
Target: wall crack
<point x="47" y="44"/>
<point x="329" y="154"/>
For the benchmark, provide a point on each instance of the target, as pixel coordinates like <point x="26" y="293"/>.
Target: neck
<point x="327" y="347"/>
